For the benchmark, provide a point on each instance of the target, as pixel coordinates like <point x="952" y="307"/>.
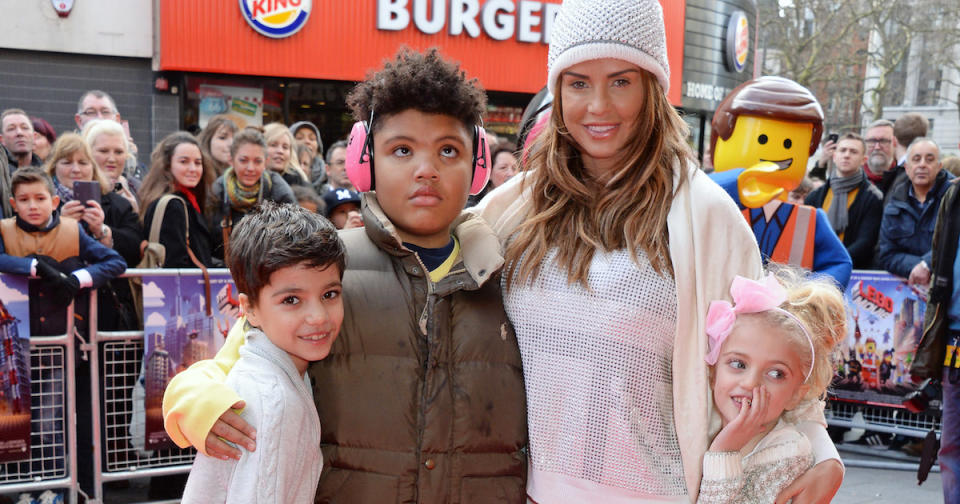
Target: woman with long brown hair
<point x="615" y="243"/>
<point x="216" y="140"/>
<point x="177" y="167"/>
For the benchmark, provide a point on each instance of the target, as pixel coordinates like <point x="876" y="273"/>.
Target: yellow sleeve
<point x="197" y="396"/>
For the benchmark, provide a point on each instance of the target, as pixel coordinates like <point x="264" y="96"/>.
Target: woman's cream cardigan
<point x="710" y="243"/>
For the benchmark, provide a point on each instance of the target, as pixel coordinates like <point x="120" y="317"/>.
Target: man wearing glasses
<point x="881" y="151"/>
<point x="95" y="104"/>
<point x="336" y="169"/>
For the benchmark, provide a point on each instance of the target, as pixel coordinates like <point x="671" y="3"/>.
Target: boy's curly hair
<point x="420" y="81"/>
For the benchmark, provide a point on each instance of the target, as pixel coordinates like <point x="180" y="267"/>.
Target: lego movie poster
<point x="885" y="320"/>
<point x="177" y="333"/>
<point x="14" y="368"/>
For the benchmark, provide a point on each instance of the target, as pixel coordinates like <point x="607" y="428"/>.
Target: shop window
<point x="249" y="102"/>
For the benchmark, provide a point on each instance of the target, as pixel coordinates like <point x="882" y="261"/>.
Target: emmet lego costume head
<point x="769" y="127"/>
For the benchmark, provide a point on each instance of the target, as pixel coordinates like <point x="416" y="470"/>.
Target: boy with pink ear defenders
<point x="770" y="350"/>
<point x="421" y="398"/>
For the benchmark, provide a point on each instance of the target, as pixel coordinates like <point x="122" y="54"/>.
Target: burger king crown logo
<point x="276" y="18"/>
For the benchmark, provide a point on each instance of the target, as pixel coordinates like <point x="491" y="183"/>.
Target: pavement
<point x="861" y="485"/>
<point x="879" y="486"/>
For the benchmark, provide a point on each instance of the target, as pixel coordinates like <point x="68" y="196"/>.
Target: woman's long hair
<point x="578" y="214"/>
<point x="275" y="130"/>
<point x="160" y="181"/>
<point x="207" y="135"/>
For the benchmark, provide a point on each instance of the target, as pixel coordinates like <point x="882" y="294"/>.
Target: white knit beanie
<point x="629" y="30"/>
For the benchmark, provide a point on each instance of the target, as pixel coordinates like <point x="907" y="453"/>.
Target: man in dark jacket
<point x="906" y="129"/>
<point x="17" y="137"/>
<point x="909" y="217"/>
<point x="941" y="332"/>
<point x="853" y="205"/>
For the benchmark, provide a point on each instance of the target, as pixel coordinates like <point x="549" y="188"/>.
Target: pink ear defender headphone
<point x="360" y="158"/>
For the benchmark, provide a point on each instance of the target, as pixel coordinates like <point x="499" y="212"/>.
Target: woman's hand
<point x="73" y="209"/>
<point x="816" y="486"/>
<point x="127" y="194"/>
<point x="93" y="216"/>
<point x="231" y="427"/>
<point x="747" y="425"/>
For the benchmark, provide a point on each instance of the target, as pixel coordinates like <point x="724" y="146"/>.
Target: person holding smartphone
<point x="823" y="167"/>
<point x="87" y="196"/>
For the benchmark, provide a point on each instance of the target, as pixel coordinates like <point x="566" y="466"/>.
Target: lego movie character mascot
<point x="762" y="135"/>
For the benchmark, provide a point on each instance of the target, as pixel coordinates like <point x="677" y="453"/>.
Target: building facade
<point x="47" y="61"/>
<point x="926" y="81"/>
<point x="172" y="64"/>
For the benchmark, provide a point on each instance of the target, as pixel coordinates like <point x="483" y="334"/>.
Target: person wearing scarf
<point x="854" y="206"/>
<point x="242" y="187"/>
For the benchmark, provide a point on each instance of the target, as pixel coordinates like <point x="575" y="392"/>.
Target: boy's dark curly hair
<point x="420" y="81"/>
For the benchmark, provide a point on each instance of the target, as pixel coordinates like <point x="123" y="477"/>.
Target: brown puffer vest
<point x="422" y="397"/>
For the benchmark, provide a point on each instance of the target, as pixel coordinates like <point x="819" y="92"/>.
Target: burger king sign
<point x="276" y="18"/>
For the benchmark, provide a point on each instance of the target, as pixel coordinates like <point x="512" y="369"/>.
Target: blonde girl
<point x="281" y="154"/>
<point x="770" y="351"/>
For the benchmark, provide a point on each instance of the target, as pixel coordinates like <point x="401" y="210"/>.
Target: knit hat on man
<point x="629" y="30"/>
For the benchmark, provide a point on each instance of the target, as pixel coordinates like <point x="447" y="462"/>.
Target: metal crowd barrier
<point x="118" y="357"/>
<point x="885" y="419"/>
<point x="52" y="464"/>
<point x="115" y="363"/>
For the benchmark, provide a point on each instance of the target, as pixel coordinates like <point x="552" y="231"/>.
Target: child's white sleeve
<point x="822" y="445"/>
<point x="214" y="480"/>
<point x="809" y="419"/>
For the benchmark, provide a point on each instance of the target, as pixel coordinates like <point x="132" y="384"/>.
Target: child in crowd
<point x="287" y="264"/>
<point x="309" y="199"/>
<point x="769" y="352"/>
<point x="40" y="243"/>
<point x="343" y="208"/>
<point x="422" y="397"/>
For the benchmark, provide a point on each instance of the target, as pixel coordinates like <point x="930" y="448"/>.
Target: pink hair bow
<point x="749" y="296"/>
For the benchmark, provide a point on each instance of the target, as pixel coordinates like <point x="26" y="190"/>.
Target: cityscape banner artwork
<point x="177" y="333"/>
<point x="14" y="368"/>
<point x="885" y="320"/>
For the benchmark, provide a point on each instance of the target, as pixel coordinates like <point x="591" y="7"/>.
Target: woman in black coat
<point x="178" y="168"/>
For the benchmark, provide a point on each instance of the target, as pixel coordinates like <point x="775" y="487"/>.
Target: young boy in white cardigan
<point x="288" y="264"/>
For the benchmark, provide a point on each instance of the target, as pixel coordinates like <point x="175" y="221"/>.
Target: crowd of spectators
<point x="204" y="184"/>
<point x="881" y="193"/>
